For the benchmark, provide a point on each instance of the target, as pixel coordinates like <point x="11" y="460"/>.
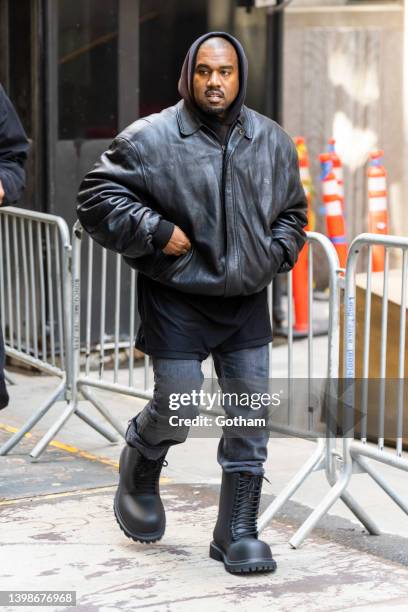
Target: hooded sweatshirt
<point x="185" y="86"/>
<point x="219" y="127"/>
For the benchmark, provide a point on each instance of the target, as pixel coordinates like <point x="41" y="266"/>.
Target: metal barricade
<point x="35" y="306"/>
<point x="358" y="450"/>
<point x="111" y="276"/>
<point x="327" y="449"/>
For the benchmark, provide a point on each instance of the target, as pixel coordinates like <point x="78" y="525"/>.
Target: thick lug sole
<point x="242" y="567"/>
<point x="136" y="537"/>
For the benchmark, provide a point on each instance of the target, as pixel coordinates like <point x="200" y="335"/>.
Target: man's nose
<point x="214" y="80"/>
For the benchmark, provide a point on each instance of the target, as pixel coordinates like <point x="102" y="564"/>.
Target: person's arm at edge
<point x="14" y="146"/>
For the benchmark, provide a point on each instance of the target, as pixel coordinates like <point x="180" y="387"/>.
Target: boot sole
<point x="144" y="538"/>
<point x="242" y="567"/>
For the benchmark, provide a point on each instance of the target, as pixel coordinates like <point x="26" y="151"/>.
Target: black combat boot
<point x="137" y="505"/>
<point x="236" y="534"/>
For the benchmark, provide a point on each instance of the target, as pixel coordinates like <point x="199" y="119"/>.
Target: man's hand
<point x="178" y="244"/>
<point x="1" y="193"/>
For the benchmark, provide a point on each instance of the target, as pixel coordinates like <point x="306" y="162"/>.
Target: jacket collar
<point x="189" y="123"/>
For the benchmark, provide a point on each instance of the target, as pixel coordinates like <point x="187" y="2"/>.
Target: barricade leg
<point x="291" y="488"/>
<point x="72" y="408"/>
<point x="338" y="491"/>
<point x="360" y="513"/>
<point x="346" y="497"/>
<point x="316" y="461"/>
<point x="301" y="534"/>
<point x="116" y="424"/>
<point x="28" y="425"/>
<point x="47" y="437"/>
<point x="365" y="465"/>
<point x="97" y="426"/>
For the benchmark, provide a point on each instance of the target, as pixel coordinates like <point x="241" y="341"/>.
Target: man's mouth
<point x="214" y="94"/>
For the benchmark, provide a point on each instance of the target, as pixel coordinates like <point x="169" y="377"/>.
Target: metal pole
<point x="273" y="109"/>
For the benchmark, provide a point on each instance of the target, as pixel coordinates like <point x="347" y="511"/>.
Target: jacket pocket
<point x="167" y="265"/>
<point x="283" y="266"/>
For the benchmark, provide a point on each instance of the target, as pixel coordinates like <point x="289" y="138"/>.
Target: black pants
<point x="4" y="397"/>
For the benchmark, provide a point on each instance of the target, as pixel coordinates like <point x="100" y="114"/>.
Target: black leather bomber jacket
<point x="242" y="207"/>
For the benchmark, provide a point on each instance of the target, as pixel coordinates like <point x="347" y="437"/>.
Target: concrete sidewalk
<point x="58" y="529"/>
<point x="71" y="542"/>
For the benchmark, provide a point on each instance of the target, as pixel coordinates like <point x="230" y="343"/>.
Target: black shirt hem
<point x="248" y="344"/>
<point x="169" y="354"/>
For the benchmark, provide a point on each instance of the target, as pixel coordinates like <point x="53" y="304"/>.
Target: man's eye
<point x="225" y="72"/>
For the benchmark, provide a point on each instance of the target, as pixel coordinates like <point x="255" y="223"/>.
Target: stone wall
<point x="343" y="78"/>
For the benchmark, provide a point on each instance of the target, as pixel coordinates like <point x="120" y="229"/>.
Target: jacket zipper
<point x="224" y="148"/>
<point x="235" y="226"/>
<point x="234" y="229"/>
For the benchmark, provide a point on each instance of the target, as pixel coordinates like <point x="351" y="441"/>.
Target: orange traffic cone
<point x="377" y="206"/>
<point x="336" y="227"/>
<point x="300" y="271"/>
<point x="306" y="178"/>
<point x="338" y="171"/>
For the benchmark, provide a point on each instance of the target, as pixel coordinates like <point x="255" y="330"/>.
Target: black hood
<point x="185" y="84"/>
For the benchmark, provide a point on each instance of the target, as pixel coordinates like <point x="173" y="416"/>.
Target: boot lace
<point x="246" y="505"/>
<point x="148" y="474"/>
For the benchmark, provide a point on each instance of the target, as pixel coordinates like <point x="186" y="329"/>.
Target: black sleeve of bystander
<point x="13" y="151"/>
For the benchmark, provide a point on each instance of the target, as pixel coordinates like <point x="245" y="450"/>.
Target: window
<point x="167" y="29"/>
<point x="20" y="61"/>
<point x="87" y="68"/>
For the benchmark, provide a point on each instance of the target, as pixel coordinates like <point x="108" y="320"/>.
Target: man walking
<point x="13" y="153"/>
<point x="205" y="200"/>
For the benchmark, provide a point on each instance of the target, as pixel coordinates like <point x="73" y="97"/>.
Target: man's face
<point x="216" y="76"/>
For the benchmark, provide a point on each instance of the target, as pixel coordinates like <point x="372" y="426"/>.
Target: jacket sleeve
<point x="287" y="229"/>
<point x="13" y="151"/>
<point x="113" y="202"/>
